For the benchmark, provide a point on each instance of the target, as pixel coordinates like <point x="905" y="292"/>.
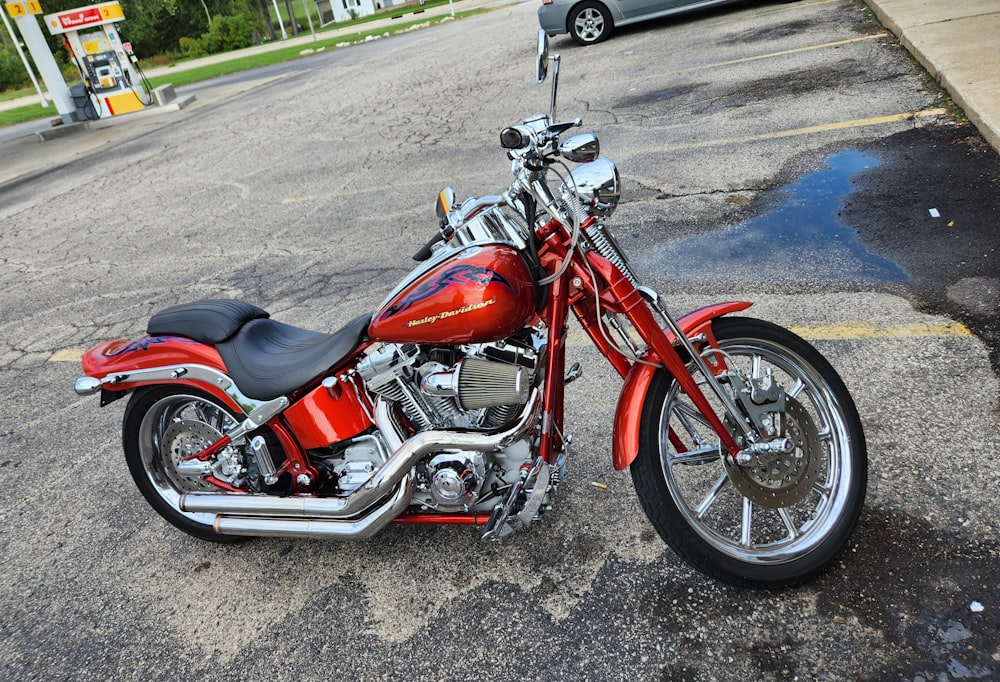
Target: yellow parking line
<point x="726" y="20"/>
<point x="843" y="331"/>
<point x="310" y="197"/>
<point x="798" y="6"/>
<point x="831" y="332"/>
<point x="781" y="53"/>
<point x="808" y="130"/>
<point x="67" y="355"/>
<point x="863" y="330"/>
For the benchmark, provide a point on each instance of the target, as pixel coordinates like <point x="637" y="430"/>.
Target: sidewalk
<point x="958" y="42"/>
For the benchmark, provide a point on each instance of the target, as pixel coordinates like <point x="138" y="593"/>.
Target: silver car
<point x="591" y="21"/>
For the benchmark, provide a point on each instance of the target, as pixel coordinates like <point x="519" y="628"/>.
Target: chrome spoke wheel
<point x="768" y="511"/>
<point x="174" y="429"/>
<point x="784" y="515"/>
<point x="164" y="428"/>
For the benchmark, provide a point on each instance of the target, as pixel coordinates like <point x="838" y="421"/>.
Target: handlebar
<point x="427" y="249"/>
<point x="532" y="146"/>
<point x="535" y="134"/>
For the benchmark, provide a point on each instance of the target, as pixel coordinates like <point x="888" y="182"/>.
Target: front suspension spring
<point x="605" y="245"/>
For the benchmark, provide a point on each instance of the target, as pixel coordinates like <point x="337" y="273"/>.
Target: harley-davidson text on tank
<point x="478" y="294"/>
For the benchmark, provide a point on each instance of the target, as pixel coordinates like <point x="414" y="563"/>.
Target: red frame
<point x="319" y="416"/>
<point x="578" y="290"/>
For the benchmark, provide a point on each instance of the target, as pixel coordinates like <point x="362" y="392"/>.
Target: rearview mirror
<point x="445" y="200"/>
<point x="582" y="148"/>
<point x="542" y="66"/>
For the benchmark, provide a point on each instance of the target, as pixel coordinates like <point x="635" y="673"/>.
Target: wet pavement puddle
<point x="800" y="240"/>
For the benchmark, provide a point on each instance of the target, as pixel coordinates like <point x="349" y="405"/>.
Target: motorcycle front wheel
<point x="163" y="425"/>
<point x="780" y="520"/>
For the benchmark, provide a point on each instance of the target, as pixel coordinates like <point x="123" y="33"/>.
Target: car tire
<point x="589" y="23"/>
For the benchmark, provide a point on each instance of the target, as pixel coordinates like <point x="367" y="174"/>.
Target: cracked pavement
<point x="306" y="192"/>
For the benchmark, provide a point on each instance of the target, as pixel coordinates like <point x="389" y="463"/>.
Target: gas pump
<point x="106" y="63"/>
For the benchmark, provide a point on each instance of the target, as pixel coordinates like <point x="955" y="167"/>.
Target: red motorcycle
<point x="445" y="406"/>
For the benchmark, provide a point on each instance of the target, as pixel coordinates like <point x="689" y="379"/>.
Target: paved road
<point x="307" y="194"/>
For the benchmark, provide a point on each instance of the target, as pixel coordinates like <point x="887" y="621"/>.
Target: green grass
<point x="201" y="73"/>
<point x="14" y="94"/>
<point x="382" y="14"/>
<point x="29" y="113"/>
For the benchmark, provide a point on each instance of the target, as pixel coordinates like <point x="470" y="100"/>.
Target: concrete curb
<point x="959" y="44"/>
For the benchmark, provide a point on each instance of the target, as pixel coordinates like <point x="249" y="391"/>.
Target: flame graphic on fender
<point x="145" y="343"/>
<point x="458" y="275"/>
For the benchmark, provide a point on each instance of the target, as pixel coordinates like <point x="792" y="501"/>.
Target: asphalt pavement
<point x="957" y="42"/>
<point x="305" y="188"/>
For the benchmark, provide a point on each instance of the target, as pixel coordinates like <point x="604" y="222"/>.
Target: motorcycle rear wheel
<point x="161" y="426"/>
<point x="764" y="525"/>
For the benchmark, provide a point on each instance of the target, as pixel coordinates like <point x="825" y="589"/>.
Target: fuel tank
<point x="472" y="295"/>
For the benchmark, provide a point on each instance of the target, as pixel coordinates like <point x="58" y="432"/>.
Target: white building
<point x="345" y="10"/>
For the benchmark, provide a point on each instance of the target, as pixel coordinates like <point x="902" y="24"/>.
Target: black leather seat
<point x="265" y="358"/>
<point x="211" y="321"/>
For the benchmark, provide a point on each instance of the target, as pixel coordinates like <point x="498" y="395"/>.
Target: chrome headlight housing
<point x="596" y="185"/>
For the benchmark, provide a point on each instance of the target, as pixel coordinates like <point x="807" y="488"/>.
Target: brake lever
<point x="557" y="129"/>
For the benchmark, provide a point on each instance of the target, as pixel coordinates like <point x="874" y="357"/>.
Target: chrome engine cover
<point x="353" y="466"/>
<point x="455" y="479"/>
<point x="477" y="387"/>
<point x="467" y="481"/>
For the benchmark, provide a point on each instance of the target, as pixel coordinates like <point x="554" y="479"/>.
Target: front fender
<point x="628" y="413"/>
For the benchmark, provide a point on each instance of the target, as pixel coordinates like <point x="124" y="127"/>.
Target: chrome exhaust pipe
<point x="357" y="529"/>
<point x="377" y="487"/>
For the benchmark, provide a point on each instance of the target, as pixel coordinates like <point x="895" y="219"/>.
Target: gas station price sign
<point x="21" y="9"/>
<point x="84" y="17"/>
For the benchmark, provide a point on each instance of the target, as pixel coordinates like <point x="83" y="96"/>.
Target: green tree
<point x="160" y="27"/>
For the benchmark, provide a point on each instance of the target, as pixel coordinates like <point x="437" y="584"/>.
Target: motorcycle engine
<point x="479" y="387"/>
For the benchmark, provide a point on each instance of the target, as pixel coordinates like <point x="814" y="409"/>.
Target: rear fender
<point x="122" y="365"/>
<point x="628" y="413"/>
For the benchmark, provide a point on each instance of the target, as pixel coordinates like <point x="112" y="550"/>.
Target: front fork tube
<point x="640" y="314"/>
<point x="720" y="392"/>
<point x="642" y="319"/>
<point x="551" y="444"/>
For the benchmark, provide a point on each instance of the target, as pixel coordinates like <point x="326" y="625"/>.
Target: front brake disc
<point x="784" y="480"/>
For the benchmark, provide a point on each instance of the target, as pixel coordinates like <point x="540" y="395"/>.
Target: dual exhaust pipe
<point x="366" y="510"/>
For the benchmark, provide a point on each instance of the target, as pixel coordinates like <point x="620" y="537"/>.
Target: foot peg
<point x="265" y="465"/>
<point x="500" y="524"/>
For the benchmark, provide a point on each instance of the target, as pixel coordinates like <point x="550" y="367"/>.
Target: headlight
<point x="596" y="185"/>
